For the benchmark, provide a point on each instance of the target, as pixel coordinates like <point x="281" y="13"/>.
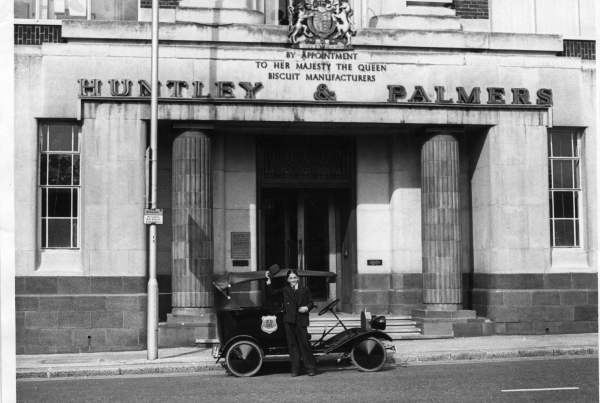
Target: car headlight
<point x="378" y="322"/>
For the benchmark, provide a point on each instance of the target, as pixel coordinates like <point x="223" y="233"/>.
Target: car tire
<point x="368" y="355"/>
<point x="244" y="358"/>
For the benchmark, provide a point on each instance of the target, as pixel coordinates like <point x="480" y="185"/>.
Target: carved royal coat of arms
<point x="321" y="24"/>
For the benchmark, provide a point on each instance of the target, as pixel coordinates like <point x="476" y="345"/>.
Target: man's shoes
<point x="294" y="375"/>
<point x="312" y="372"/>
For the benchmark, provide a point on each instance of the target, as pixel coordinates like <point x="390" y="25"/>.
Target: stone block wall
<point x="538" y="303"/>
<point x="397" y="294"/>
<point x="472" y="9"/>
<point x="80" y="314"/>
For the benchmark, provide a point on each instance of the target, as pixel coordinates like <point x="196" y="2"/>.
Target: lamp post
<point x="152" y="328"/>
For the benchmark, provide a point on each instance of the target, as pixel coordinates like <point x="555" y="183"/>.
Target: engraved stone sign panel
<point x="240" y="245"/>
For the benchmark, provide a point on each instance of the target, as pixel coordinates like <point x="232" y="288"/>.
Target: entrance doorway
<point x="301" y="231"/>
<point x="306" y="204"/>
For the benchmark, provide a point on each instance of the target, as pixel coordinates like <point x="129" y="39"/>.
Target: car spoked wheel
<point x="244" y="358"/>
<point x="369" y="355"/>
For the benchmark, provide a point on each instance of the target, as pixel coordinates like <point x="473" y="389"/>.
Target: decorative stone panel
<point x="37" y="34"/>
<point x="161" y="3"/>
<point x="472" y="9"/>
<point x="577" y="48"/>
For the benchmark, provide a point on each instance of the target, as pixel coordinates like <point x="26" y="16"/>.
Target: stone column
<point x="192" y="224"/>
<point x="440" y="210"/>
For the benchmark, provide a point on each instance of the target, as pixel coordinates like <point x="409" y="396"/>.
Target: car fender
<point x="347" y="345"/>
<point x="234" y="340"/>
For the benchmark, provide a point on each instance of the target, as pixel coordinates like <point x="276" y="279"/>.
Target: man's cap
<point x="273" y="270"/>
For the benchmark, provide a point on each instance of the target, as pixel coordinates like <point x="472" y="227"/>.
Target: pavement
<point x="192" y="360"/>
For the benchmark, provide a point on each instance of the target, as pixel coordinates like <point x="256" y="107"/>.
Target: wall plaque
<point x="374" y="262"/>
<point x="240" y="245"/>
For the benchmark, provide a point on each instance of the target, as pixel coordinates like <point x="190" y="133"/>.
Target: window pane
<point x="564" y="233"/>
<point x="562" y="144"/>
<point x="61" y="138"/>
<point x="24" y="8"/>
<point x="59" y="233"/>
<point x="60" y="169"/>
<point x="59" y="202"/>
<point x="123" y="10"/>
<point x="577" y="233"/>
<point x="563" y="205"/>
<point x="562" y="174"/>
<point x="44" y="245"/>
<point x="44" y="137"/>
<point x="75" y="202"/>
<point x="44" y="169"/>
<point x="44" y="202"/>
<point x="74" y="233"/>
<point x="75" y="169"/>
<point x="75" y="138"/>
<point x="576" y="172"/>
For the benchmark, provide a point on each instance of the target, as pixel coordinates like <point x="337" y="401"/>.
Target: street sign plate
<point x="153" y="216"/>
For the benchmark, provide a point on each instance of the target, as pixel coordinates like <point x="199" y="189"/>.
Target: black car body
<point x="248" y="334"/>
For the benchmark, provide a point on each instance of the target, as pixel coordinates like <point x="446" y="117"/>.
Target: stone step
<point x="396" y="329"/>
<point x="357" y="323"/>
<point x="345" y="317"/>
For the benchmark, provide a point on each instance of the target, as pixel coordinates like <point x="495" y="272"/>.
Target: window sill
<point x="569" y="259"/>
<point x="33" y="21"/>
<point x="57" y="261"/>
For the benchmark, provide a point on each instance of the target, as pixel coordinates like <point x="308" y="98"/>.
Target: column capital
<point x="191" y="130"/>
<point x="442" y="133"/>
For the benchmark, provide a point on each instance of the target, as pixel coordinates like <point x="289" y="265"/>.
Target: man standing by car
<point x="297" y="303"/>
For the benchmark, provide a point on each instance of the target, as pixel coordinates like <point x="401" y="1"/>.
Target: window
<point x="60" y="185"/>
<point x="564" y="166"/>
<point x="117" y="10"/>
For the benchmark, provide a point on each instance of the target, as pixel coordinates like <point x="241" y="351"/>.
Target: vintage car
<point x="248" y="334"/>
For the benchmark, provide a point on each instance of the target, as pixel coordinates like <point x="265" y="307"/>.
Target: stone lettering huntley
<point x="395" y="93"/>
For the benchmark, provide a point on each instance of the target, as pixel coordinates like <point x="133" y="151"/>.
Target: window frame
<point x="579" y="219"/>
<point x="40" y="187"/>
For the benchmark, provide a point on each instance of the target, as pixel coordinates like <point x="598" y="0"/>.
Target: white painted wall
<point x="570" y="18"/>
<point x="373" y="217"/>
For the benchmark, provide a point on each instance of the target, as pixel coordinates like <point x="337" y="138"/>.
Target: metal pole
<point x="152" y="335"/>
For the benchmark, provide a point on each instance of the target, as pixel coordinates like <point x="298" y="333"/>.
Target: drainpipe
<point x="152" y="331"/>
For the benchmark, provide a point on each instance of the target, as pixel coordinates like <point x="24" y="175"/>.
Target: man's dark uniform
<point x="296" y="323"/>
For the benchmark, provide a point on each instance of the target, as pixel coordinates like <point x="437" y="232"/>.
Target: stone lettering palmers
<point x="395" y="93"/>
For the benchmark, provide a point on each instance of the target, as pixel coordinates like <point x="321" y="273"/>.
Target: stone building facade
<point x="443" y="165"/>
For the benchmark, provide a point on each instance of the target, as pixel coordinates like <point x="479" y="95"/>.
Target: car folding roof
<point x="228" y="280"/>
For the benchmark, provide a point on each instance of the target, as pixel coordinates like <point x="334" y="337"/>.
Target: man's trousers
<point x="299" y="346"/>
